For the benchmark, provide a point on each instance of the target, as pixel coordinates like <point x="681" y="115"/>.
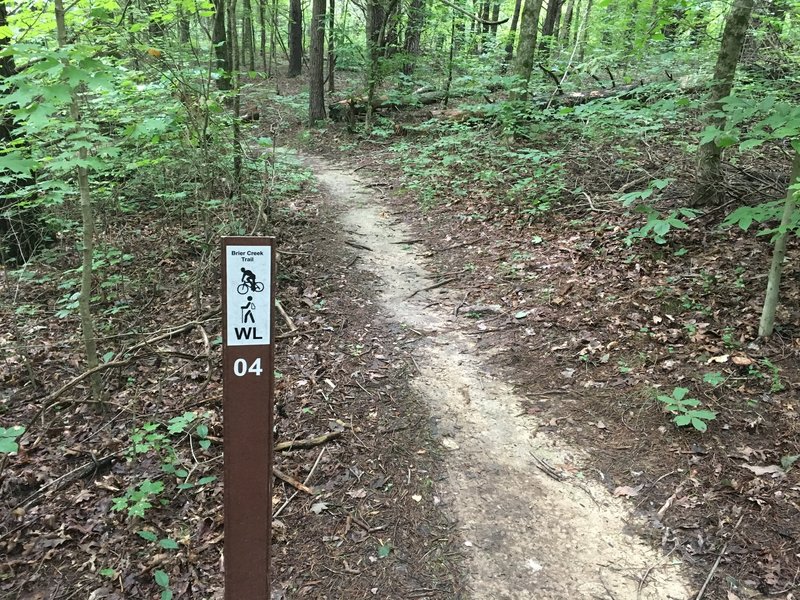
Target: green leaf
<point x="679" y="393"/>
<point x="699" y="425"/>
<point x="108" y="356"/>
<point x="110" y="573"/>
<point x="147" y="535"/>
<point x="206" y="480"/>
<point x="202" y="430"/>
<point x="162" y="578"/>
<point x="788" y="461"/>
<point x="205" y="444"/>
<point x="16" y="163"/>
<point x="750" y="144"/>
<point x="8" y="445"/>
<point x="714" y="378"/>
<point x="384" y="550"/>
<point x="708" y="415"/>
<point x="166" y="594"/>
<point x="681" y="420"/>
<point x="168" y="544"/>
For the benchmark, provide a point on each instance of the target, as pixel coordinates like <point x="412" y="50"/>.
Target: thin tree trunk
<point x="237" y="142"/>
<point x="262" y="24"/>
<point x="495" y="18"/>
<point x="331" y="47"/>
<point x="549" y="25"/>
<point x="295" y="38"/>
<point x="528" y="31"/>
<point x="316" y="64"/>
<point x="584" y="30"/>
<point x="512" y="34"/>
<point x="563" y="33"/>
<point x="767" y="323"/>
<point x="709" y="156"/>
<point x="87" y="219"/>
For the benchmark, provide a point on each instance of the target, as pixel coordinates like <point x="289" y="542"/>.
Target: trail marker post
<point x="248" y="377"/>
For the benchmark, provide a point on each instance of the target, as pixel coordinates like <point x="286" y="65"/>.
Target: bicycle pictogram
<point x="249" y="283"/>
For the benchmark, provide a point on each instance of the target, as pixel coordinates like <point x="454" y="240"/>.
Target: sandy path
<point x="528" y="535"/>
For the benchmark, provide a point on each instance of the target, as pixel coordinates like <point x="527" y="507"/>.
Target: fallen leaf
<point x="722" y="358"/>
<point x="628" y="491"/>
<point x="318" y="507"/>
<point x="362" y="493"/>
<point x="416" y="498"/>
<point x="742" y="361"/>
<point x="450" y="444"/>
<point x="773" y="470"/>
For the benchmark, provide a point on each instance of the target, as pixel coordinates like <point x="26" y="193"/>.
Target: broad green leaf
<point x="384" y="550"/>
<point x="682" y="420"/>
<point x="708" y="415"/>
<point x="699" y="425"/>
<point x="161" y="578"/>
<point x="147" y="535"/>
<point x="168" y="544"/>
<point x="679" y="393"/>
<point x="750" y="144"/>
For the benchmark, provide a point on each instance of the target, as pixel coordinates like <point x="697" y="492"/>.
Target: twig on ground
<point x="307" y="443"/>
<point x="649" y="570"/>
<point x="719" y="559"/>
<point x="461" y="245"/>
<point x="409" y="242"/>
<point x="67" y="478"/>
<point x="277" y="513"/>
<point x="292" y="481"/>
<point x="434" y="286"/>
<point x="358" y="246"/>
<point x="463" y="302"/>
<point x="546" y="468"/>
<point x="285" y="316"/>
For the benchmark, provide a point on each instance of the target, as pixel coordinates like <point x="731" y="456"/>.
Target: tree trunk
<point x="184" y="26"/>
<point x="87" y="219"/>
<point x="495" y="18"/>
<point x="331" y="47"/>
<point x="512" y="34"/>
<point x="416" y="20"/>
<point x="767" y="323"/>
<point x="583" y="30"/>
<point x="563" y="33"/>
<point x="316" y="64"/>
<point x="528" y="31"/>
<point x="549" y="25"/>
<point x="295" y="38"/>
<point x="236" y="126"/>
<point x="219" y="39"/>
<point x="709" y="156"/>
<point x="262" y="24"/>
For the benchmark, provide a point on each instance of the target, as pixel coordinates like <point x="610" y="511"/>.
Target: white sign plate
<point x="248" y="284"/>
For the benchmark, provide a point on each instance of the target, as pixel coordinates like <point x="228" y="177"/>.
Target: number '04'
<point x="241" y="368"/>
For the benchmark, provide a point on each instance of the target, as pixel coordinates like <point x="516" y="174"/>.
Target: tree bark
<point x="295" y="38"/>
<point x="416" y="20"/>
<point x="550" y="20"/>
<point x="709" y="156"/>
<point x="495" y="18"/>
<point x="219" y="39"/>
<point x="331" y="47"/>
<point x="563" y="33"/>
<point x="528" y="31"/>
<point x="583" y="30"/>
<point x="512" y="33"/>
<point x="316" y="64"/>
<point x="767" y="323"/>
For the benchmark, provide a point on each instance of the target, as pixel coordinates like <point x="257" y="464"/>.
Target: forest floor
<point x="495" y="435"/>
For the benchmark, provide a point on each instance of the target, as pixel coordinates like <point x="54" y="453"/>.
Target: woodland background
<point x="653" y="137"/>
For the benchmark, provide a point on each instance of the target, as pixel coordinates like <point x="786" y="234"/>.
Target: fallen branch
<point x="434" y="286"/>
<point x="292" y="481"/>
<point x="719" y="558"/>
<point x="67" y="478"/>
<point x="290" y="498"/>
<point x="359" y="246"/>
<point x="409" y="242"/>
<point x="285" y="316"/>
<point x="307" y="443"/>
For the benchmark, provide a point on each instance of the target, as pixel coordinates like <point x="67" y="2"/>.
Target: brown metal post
<point x="248" y="298"/>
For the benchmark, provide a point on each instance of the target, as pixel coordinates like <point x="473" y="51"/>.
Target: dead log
<point x="349" y="109"/>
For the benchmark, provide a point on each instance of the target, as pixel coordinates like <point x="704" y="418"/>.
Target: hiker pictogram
<point x="247" y="311"/>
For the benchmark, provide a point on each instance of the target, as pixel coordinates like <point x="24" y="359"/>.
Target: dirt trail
<point x="527" y="535"/>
